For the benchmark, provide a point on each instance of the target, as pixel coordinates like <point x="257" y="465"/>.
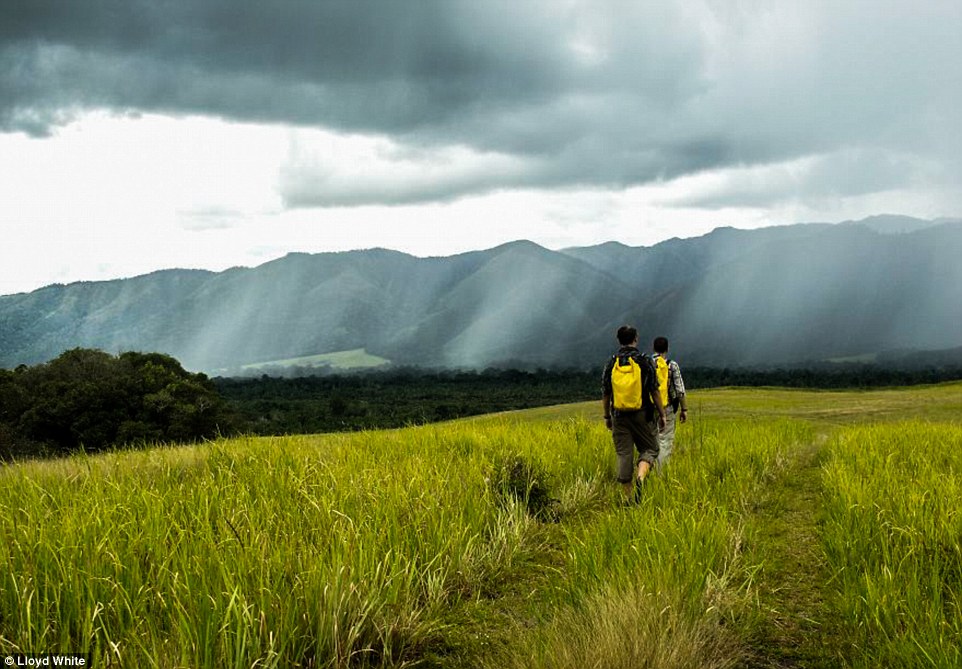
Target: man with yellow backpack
<point x="671" y="388"/>
<point x="630" y="398"/>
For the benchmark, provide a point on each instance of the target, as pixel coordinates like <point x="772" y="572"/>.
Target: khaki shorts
<point x="630" y="431"/>
<point x="666" y="438"/>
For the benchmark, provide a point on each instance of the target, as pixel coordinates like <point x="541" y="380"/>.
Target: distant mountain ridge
<point x="732" y="297"/>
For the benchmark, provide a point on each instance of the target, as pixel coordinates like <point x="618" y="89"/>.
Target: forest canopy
<point x="93" y="400"/>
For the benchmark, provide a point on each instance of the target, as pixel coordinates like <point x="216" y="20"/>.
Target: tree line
<point x="822" y="375"/>
<point x="387" y="399"/>
<point x="87" y="399"/>
<point x="90" y="400"/>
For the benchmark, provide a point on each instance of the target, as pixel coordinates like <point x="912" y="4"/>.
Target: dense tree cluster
<point x="822" y="375"/>
<point x="269" y="405"/>
<point x="88" y="399"/>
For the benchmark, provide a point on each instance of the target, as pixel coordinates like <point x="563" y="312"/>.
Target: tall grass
<point x="353" y="550"/>
<point x="893" y="535"/>
<point x="398" y="548"/>
<point x="313" y="551"/>
<point x="666" y="583"/>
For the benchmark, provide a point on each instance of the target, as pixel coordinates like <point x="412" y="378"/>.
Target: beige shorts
<point x="666" y="438"/>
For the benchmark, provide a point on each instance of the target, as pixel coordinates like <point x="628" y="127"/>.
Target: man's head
<point x="660" y="345"/>
<point x="627" y="335"/>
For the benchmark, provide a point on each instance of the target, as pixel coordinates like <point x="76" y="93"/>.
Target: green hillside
<point x="339" y="360"/>
<point x="792" y="528"/>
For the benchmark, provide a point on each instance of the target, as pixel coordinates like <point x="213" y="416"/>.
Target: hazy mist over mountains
<point x="775" y="295"/>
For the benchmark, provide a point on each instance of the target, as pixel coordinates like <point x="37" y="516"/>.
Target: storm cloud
<point x="455" y="99"/>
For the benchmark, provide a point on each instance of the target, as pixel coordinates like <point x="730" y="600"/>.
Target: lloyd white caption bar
<point x="47" y="660"/>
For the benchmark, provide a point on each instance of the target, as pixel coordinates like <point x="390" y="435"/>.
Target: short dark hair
<point x="626" y="335"/>
<point x="660" y="345"/>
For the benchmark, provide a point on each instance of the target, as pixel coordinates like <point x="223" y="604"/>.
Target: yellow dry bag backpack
<point x="626" y="384"/>
<point x="666" y="388"/>
<point x="661" y="374"/>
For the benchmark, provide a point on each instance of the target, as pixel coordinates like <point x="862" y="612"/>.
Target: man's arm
<point x="662" y="418"/>
<point x="679" y="384"/>
<point x="606" y="395"/>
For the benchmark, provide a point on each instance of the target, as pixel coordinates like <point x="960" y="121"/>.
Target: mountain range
<point x="769" y="296"/>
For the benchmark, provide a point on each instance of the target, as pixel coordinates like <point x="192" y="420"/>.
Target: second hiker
<point x="671" y="388"/>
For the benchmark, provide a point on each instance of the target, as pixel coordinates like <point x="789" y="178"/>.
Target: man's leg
<point x="643" y="468"/>
<point x="625" y="450"/>
<point x="666" y="438"/>
<point x="646" y="439"/>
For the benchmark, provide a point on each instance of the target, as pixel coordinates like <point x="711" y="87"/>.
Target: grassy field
<point x="791" y="529"/>
<point x="339" y="360"/>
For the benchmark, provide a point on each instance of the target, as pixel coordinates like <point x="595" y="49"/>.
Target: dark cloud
<point x="543" y="94"/>
<point x="846" y="173"/>
<point x="385" y="66"/>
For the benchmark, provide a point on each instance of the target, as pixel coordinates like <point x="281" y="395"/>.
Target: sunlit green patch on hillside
<point x="339" y="360"/>
<point x="501" y="541"/>
<point x="865" y="358"/>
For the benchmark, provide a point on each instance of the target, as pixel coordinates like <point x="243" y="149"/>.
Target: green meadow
<point x="791" y="529"/>
<point x="339" y="360"/>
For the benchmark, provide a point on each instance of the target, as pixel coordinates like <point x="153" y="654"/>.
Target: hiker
<point x="671" y="388"/>
<point x="630" y="398"/>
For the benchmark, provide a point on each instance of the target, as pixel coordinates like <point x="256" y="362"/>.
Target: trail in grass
<point x="492" y="619"/>
<point x="796" y="629"/>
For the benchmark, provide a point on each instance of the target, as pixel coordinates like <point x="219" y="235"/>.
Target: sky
<point x="138" y="135"/>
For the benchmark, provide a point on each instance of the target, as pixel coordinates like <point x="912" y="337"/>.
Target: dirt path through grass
<point x="796" y="629"/>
